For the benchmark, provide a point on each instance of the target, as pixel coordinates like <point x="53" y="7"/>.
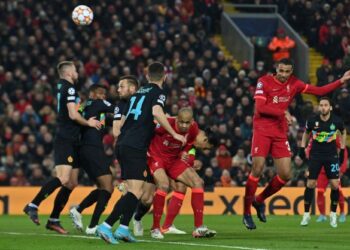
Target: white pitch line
<point x="150" y="241"/>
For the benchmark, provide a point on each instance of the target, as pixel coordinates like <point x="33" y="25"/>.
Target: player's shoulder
<point x="336" y="118"/>
<point x="312" y="120"/>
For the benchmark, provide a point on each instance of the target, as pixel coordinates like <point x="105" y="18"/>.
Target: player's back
<point x="138" y="127"/>
<point x="67" y="129"/>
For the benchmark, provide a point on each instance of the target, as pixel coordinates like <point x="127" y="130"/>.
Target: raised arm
<point x="310" y="89"/>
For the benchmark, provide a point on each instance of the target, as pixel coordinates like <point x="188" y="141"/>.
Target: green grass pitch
<point x="280" y="232"/>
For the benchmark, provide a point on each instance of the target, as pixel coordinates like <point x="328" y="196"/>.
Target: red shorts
<point x="173" y="169"/>
<point x="263" y="144"/>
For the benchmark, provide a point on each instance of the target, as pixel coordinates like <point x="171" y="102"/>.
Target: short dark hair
<point x="132" y="80"/>
<point x="286" y="61"/>
<point x="94" y="87"/>
<point x="61" y="66"/>
<point x="325" y="98"/>
<point x="156" y="71"/>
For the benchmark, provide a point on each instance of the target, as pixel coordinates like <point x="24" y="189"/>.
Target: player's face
<point x="124" y="89"/>
<point x="202" y="142"/>
<point x="100" y="93"/>
<point x="74" y="73"/>
<point x="183" y="122"/>
<point x="283" y="72"/>
<point x="324" y="107"/>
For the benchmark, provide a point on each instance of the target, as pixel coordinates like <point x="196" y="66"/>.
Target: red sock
<point x="321" y="201"/>
<point x="274" y="186"/>
<point x="197" y="202"/>
<point x="341" y="201"/>
<point x="158" y="207"/>
<point x="250" y="189"/>
<point x="173" y="210"/>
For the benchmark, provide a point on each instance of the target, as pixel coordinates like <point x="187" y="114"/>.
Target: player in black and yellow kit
<point x="92" y="156"/>
<point x="65" y="147"/>
<point x="136" y="133"/>
<point x="323" y="129"/>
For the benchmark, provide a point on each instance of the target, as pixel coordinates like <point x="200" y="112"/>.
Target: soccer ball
<point x="82" y="15"/>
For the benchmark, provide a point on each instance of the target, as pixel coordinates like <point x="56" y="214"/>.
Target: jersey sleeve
<point x="71" y="94"/>
<point x="260" y="92"/>
<point x="301" y="86"/>
<point x="119" y="111"/>
<point x="159" y="98"/>
<point x="309" y="125"/>
<point x="341" y="125"/>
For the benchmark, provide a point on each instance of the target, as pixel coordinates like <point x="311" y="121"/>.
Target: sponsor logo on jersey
<point x="144" y="90"/>
<point x="259" y="92"/>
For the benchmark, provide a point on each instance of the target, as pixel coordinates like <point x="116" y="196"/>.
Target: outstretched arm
<point x="310" y="89"/>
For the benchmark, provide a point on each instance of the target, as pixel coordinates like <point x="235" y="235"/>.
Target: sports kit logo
<point x="71" y="91"/>
<point x="70" y="159"/>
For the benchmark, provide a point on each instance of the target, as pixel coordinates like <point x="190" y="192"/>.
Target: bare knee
<point x="334" y="184"/>
<point x="164" y="186"/>
<point x="311" y="184"/>
<point x="257" y="169"/>
<point x="64" y="180"/>
<point x="197" y="182"/>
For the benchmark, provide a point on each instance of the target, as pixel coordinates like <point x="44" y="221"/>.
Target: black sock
<point x="308" y="196"/>
<point x="334" y="199"/>
<point x="141" y="210"/>
<point x="89" y="200"/>
<point x="121" y="207"/>
<point x="130" y="206"/>
<point x="46" y="190"/>
<point x="116" y="212"/>
<point x="102" y="201"/>
<point x="60" y="201"/>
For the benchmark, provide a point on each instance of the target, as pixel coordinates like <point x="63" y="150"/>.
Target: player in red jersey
<point x="322" y="183"/>
<point x="272" y="97"/>
<point x="168" y="158"/>
<point x="204" y="140"/>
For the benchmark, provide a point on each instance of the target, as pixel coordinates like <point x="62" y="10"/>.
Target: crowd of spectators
<point x="124" y="38"/>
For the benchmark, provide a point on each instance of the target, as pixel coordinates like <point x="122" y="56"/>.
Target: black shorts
<point x="133" y="163"/>
<point x="331" y="166"/>
<point x="66" y="153"/>
<point x="94" y="161"/>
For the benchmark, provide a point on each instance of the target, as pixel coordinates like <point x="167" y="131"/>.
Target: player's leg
<point x="342" y="216"/>
<point x="64" y="153"/>
<point x="280" y="152"/>
<point x="174" y="206"/>
<point x="100" y="171"/>
<point x="332" y="171"/>
<point x="187" y="175"/>
<point x="315" y="167"/>
<point x="143" y="206"/>
<point x="260" y="149"/>
<point x="162" y="182"/>
<point x="134" y="165"/>
<point x="61" y="200"/>
<point x="322" y="183"/>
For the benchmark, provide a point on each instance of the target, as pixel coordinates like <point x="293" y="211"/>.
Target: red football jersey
<point x="164" y="146"/>
<point x="278" y="96"/>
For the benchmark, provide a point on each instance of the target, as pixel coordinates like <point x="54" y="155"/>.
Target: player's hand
<point x="92" y="122"/>
<point x="184" y="156"/>
<point x="289" y="117"/>
<point x="345" y="77"/>
<point x="341" y="156"/>
<point x="301" y="153"/>
<point x="180" y="138"/>
<point x="197" y="165"/>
